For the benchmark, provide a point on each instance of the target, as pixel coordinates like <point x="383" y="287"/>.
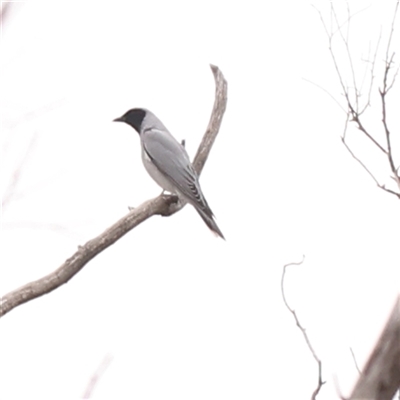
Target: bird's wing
<point x="171" y="158"/>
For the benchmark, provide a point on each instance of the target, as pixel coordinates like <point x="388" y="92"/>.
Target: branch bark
<point x="162" y="205"/>
<point x="380" y="378"/>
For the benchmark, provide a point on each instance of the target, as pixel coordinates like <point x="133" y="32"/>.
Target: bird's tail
<point x="209" y="220"/>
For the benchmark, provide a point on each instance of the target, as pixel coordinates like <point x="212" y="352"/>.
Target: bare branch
<point x="388" y="64"/>
<point x="390" y="85"/>
<point x="329" y="94"/>
<point x="346" y="44"/>
<point x="346" y="22"/>
<point x="343" y="137"/>
<point x="392" y="30"/>
<point x="352" y="110"/>
<point x="360" y="126"/>
<point x="330" y="38"/>
<point x="162" y="205"/>
<point x="380" y="377"/>
<point x="355" y="361"/>
<point x="94" y="380"/>
<point x="383" y="187"/>
<point x="302" y="330"/>
<point x="383" y="92"/>
<point x="371" y="82"/>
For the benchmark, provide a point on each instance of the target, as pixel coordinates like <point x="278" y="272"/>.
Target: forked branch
<point x="353" y="94"/>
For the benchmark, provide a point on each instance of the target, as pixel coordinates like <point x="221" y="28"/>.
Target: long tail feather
<point x="210" y="223"/>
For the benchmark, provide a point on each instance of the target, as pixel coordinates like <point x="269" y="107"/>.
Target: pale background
<point x="183" y="314"/>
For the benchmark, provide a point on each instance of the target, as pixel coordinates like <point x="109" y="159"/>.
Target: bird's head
<point x="133" y="117"/>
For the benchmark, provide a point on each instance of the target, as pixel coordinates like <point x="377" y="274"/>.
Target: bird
<point x="167" y="162"/>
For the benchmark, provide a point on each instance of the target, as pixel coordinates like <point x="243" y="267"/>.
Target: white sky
<point x="185" y="315"/>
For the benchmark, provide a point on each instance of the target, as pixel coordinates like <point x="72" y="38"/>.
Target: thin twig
<point x="383" y="187"/>
<point x="346" y="44"/>
<point x="330" y="37"/>
<point x="97" y="375"/>
<point x="355" y="361"/>
<point x="368" y="103"/>
<point x="367" y="61"/>
<point x="356" y="118"/>
<point x="347" y="21"/>
<point x="371" y="82"/>
<point x="392" y="30"/>
<point x="326" y="91"/>
<point x="390" y="85"/>
<point x="351" y="109"/>
<point x="303" y="330"/>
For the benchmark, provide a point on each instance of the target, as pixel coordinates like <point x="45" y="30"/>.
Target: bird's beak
<point x="120" y="119"/>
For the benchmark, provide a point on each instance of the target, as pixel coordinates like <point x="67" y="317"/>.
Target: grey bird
<point x="168" y="163"/>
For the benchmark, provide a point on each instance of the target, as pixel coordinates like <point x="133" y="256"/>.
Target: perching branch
<point x="303" y="331"/>
<point x="162" y="205"/>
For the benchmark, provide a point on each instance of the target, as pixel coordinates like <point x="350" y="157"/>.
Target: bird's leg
<point x="183" y="142"/>
<point x="172" y="200"/>
<point x="174" y="196"/>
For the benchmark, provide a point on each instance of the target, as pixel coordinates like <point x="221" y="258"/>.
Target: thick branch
<point x="380" y="378"/>
<point x="161" y="205"/>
